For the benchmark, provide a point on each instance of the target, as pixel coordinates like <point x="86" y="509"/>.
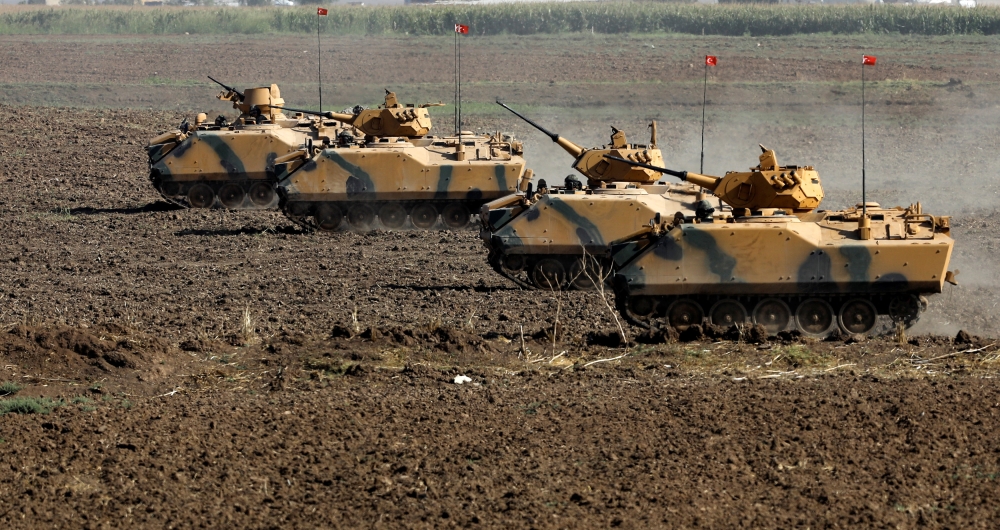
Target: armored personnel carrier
<point x="559" y="237"/>
<point x="774" y="260"/>
<point x="396" y="171"/>
<point x="230" y="165"/>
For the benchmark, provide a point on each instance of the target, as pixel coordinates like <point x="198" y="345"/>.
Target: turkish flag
<point x="868" y="60"/>
<point x="711" y="60"/>
<point x="321" y="11"/>
<point x="462" y="28"/>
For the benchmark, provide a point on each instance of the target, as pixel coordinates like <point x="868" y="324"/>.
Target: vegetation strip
<point x="518" y="19"/>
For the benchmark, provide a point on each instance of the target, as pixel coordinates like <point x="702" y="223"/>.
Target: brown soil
<point x="224" y="368"/>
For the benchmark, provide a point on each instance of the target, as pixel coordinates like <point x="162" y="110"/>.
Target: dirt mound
<point x="85" y="353"/>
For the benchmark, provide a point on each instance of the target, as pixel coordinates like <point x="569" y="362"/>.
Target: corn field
<point x="515" y="19"/>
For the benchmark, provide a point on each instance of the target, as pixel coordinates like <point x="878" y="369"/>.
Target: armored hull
<point x="218" y="164"/>
<point x="560" y="238"/>
<point x="547" y="240"/>
<point x="388" y="179"/>
<point x="813" y="271"/>
<point x="230" y="167"/>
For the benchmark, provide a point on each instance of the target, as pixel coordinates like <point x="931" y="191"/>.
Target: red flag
<point x="321" y="11"/>
<point x="711" y="60"/>
<point x="462" y="28"/>
<point x="868" y="60"/>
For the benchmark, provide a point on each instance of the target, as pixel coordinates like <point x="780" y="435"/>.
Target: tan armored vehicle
<point x="776" y="261"/>
<point x="396" y="171"/>
<point x="231" y="164"/>
<point x="560" y="237"/>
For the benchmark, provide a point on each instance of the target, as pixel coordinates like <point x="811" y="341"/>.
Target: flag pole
<point x="864" y="198"/>
<point x="704" y="101"/>
<point x="459" y="88"/>
<point x="864" y="224"/>
<point x="455" y="68"/>
<point x="319" y="60"/>
<point x="459" y="148"/>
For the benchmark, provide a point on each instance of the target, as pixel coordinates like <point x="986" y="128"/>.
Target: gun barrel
<point x="704" y="181"/>
<point x="552" y="135"/>
<point x="679" y="174"/>
<point x="569" y="146"/>
<point x="303" y="111"/>
<point x="341" y="117"/>
<point x="227" y="87"/>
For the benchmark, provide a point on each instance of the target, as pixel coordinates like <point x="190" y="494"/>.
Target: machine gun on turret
<point x="256" y="105"/>
<point x="228" y="88"/>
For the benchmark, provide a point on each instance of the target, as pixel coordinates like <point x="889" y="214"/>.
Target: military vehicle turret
<point x="777" y="261"/>
<point x="559" y="237"/>
<point x="230" y="165"/>
<point x="768" y="185"/>
<point x="396" y="171"/>
<point x="389" y="119"/>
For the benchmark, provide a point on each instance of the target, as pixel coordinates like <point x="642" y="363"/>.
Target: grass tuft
<point x="27" y="405"/>
<point x="798" y="356"/>
<point x="9" y="388"/>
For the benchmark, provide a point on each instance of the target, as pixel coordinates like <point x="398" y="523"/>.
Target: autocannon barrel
<point x="339" y="116"/>
<point x="569" y="146"/>
<point x="705" y="181"/>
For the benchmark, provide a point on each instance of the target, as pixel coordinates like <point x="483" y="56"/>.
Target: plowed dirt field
<point x="208" y="368"/>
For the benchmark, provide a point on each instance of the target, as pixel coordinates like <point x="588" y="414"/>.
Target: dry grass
<point x="248" y="328"/>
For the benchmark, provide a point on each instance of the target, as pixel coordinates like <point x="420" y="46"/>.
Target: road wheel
<point x="514" y="262"/>
<point x="548" y="274"/>
<point x="328" y="217"/>
<point x="642" y="306"/>
<point x="298" y="209"/>
<point x="773" y="314"/>
<point x="727" y="312"/>
<point x="455" y="216"/>
<point x="231" y="196"/>
<point x="170" y="189"/>
<point x="392" y="215"/>
<point x="858" y="316"/>
<point x="906" y="309"/>
<point x="201" y="196"/>
<point x="361" y="216"/>
<point x="684" y="313"/>
<point x="582" y="274"/>
<point x="262" y="194"/>
<point x="815" y="317"/>
<point x="423" y="216"/>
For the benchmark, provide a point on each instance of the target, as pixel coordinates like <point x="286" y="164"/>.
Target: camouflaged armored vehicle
<point x="772" y="259"/>
<point x="560" y="237"/>
<point x="396" y="171"/>
<point x="231" y="165"/>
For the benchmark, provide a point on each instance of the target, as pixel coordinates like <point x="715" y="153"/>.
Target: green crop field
<point x="517" y="19"/>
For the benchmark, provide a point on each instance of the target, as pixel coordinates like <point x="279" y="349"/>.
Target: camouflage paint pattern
<point x="401" y="169"/>
<point x="813" y="272"/>
<point x="194" y="164"/>
<point x="540" y="241"/>
<point x="225" y="154"/>
<point x="567" y="222"/>
<point x="820" y="253"/>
